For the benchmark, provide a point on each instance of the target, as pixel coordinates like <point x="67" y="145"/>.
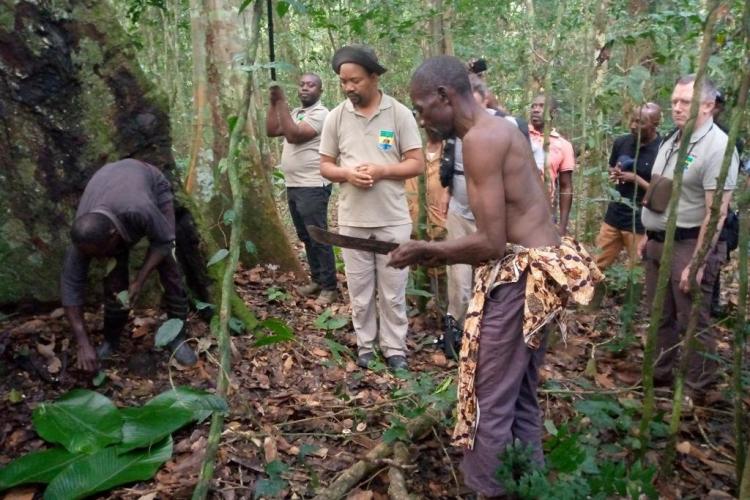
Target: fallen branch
<point x="397" y="488"/>
<point x="348" y="479"/>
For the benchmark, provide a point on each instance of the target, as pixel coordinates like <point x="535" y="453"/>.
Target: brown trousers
<point x="676" y="313"/>
<point x="506" y="383"/>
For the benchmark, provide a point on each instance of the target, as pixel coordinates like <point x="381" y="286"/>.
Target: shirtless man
<point x="518" y="250"/>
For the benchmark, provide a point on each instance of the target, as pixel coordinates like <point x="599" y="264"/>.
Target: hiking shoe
<point x="327" y="297"/>
<point x="397" y="362"/>
<point x="182" y="351"/>
<point x="364" y="360"/>
<point x="309" y="289"/>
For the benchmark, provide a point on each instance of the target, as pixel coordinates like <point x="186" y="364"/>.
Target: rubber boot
<point x="114" y="322"/>
<point x="177" y="307"/>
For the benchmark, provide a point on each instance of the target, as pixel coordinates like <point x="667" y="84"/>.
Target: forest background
<point x="209" y="61"/>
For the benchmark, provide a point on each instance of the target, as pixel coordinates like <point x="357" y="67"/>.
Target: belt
<point x="681" y="233"/>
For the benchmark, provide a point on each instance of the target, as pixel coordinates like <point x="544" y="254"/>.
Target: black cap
<point x="478" y="65"/>
<point x="357" y="54"/>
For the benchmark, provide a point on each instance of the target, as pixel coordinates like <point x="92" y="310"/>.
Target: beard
<point x="355" y="98"/>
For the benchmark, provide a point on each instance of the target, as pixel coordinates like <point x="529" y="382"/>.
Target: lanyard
<point x="673" y="148"/>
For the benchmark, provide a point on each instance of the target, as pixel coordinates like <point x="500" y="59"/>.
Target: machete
<point x="339" y="240"/>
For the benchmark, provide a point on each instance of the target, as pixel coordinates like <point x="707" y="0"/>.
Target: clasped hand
<point x="365" y="176"/>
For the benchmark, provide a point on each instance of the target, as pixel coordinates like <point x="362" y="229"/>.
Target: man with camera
<point x="702" y="166"/>
<point x="630" y="165"/>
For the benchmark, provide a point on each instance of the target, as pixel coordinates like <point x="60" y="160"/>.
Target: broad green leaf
<point x="124" y="299"/>
<point x="202" y="305"/>
<point x="337" y="322"/>
<point x="236" y="325"/>
<point x="201" y="402"/>
<point x="320" y="321"/>
<point x="397" y="432"/>
<point x="99" y="378"/>
<point x="337" y="350"/>
<point x="218" y="256"/>
<point x="148" y="425"/>
<point x="282" y="8"/>
<point x="106" y="469"/>
<point x="244" y="5"/>
<point x="418" y="293"/>
<point x="281" y="332"/>
<point x="168" y="331"/>
<point x="37" y="467"/>
<point x="80" y="421"/>
<point x="111" y="264"/>
<point x="251" y="248"/>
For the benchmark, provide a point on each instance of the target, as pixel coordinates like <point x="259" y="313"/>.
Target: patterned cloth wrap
<point x="555" y="275"/>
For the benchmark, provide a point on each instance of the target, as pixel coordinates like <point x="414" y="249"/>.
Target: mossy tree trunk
<point x="72" y="98"/>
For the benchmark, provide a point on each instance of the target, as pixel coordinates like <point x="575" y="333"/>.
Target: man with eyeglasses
<point x="703" y="164"/>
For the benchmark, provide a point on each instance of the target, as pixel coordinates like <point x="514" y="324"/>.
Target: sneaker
<point x="310" y="289"/>
<point x="364" y="360"/>
<point x="327" y="297"/>
<point x="397" y="362"/>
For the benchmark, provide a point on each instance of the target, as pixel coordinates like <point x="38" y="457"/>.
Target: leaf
<point x="111" y="264"/>
<point x="251" y="248"/>
<point x="106" y="469"/>
<point x="236" y="325"/>
<point x="168" y="331"/>
<point x="202" y="305"/>
<point x="218" y="256"/>
<point x="99" y="378"/>
<point x="269" y="487"/>
<point x="124" y="299"/>
<point x="282" y="8"/>
<point x="229" y="216"/>
<point x="320" y="321"/>
<point x="146" y="425"/>
<point x="396" y="432"/>
<point x="418" y="293"/>
<point x="80" y="421"/>
<point x="232" y="121"/>
<point x="244" y="5"/>
<point x="15" y="396"/>
<point x="281" y="332"/>
<point x="36" y="467"/>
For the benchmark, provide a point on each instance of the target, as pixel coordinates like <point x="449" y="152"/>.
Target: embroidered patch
<point x="386" y="139"/>
<point x="300" y="116"/>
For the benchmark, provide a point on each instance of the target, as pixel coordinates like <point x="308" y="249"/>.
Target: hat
<point x="478" y="66"/>
<point x="357" y="54"/>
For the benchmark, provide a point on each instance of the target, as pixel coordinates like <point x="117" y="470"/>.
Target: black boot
<point x="114" y="322"/>
<point x="451" y="341"/>
<point x="177" y="307"/>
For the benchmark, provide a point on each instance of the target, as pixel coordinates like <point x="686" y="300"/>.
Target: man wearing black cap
<point x="370" y="144"/>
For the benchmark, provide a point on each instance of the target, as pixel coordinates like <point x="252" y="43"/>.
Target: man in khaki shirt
<point x="370" y="144"/>
<point x="307" y="192"/>
<point x="703" y="164"/>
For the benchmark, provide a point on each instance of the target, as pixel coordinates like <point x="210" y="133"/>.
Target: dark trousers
<point x="309" y="207"/>
<point x="170" y="276"/>
<point x="506" y="382"/>
<point x="676" y="313"/>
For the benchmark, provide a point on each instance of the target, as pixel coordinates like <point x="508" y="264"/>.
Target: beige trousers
<point x="377" y="292"/>
<point x="460" y="276"/>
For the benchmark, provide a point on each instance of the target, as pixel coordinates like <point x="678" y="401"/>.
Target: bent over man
<point x="526" y="273"/>
<point x="123" y="202"/>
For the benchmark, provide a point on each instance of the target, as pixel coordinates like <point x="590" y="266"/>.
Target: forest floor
<point x="306" y="404"/>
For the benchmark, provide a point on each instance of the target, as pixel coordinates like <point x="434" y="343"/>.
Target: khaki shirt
<point x="382" y="139"/>
<point x="705" y="155"/>
<point x="301" y="162"/>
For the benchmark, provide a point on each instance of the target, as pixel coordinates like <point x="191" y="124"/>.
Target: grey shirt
<point x="459" y="202"/>
<point x="705" y="155"/>
<point x="136" y="198"/>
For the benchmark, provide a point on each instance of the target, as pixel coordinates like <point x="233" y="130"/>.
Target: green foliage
<point x="218" y="257"/>
<point x="168" y="331"/>
<point x="280" y="332"/>
<point x="104" y="446"/>
<point x="277" y="294"/>
<point x="619" y="277"/>
<point x="275" y="484"/>
<point x="327" y="321"/>
<point x="81" y="421"/>
<point x="578" y="464"/>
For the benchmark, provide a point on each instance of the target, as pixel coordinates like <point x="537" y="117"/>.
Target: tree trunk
<point x="72" y="98"/>
<point x="217" y="57"/>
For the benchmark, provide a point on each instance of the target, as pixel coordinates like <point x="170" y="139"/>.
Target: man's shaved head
<point x="91" y="229"/>
<point x="441" y="71"/>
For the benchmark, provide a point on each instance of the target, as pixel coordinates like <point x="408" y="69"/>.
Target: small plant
<point x="102" y="446"/>
<point x="277" y="294"/>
